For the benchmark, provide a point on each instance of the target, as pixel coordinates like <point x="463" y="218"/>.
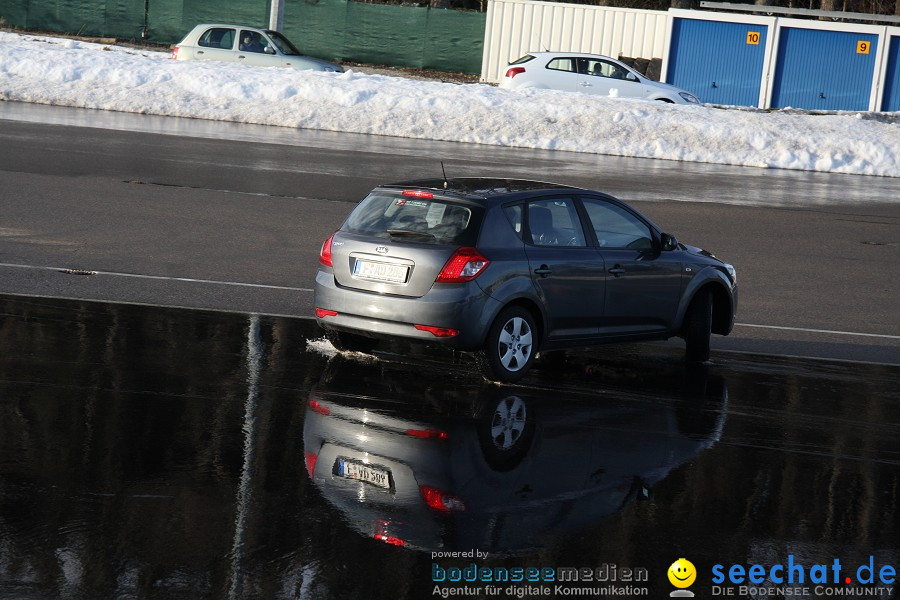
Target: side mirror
<point x="632" y="77"/>
<point x="668" y="242"/>
<point x="269" y="50"/>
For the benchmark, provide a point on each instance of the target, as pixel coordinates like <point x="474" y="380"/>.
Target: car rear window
<point x="416" y="219"/>
<point x="524" y="59"/>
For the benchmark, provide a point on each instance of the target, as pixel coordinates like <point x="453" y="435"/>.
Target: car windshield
<point x="283" y="44"/>
<point x="408" y="218"/>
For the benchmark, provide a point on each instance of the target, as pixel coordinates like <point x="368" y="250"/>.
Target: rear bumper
<point x="463" y="306"/>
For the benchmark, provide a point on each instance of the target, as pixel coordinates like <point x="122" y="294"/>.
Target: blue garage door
<point x="719" y="62"/>
<point x="891" y="100"/>
<point x="827" y="70"/>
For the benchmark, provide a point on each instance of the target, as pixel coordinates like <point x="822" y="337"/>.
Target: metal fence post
<point x="276" y="16"/>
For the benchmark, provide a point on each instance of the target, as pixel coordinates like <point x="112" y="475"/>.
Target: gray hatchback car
<point x="507" y="268"/>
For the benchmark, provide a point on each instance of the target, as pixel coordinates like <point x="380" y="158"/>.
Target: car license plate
<point x="361" y="472"/>
<point x="366" y="269"/>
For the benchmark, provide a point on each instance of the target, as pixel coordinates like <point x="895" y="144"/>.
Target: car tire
<point x="349" y="342"/>
<point x="510" y="346"/>
<point x="505" y="431"/>
<point x="697" y="328"/>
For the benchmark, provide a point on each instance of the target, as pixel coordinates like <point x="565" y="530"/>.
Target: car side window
<point x="562" y="64"/>
<point x="604" y="68"/>
<point x="615" y="227"/>
<point x="514" y="215"/>
<point x="252" y="41"/>
<point x="555" y="222"/>
<point x="217" y="37"/>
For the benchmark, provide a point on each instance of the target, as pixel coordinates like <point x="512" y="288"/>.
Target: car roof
<point x="481" y="188"/>
<point x="230" y="26"/>
<point x="578" y="54"/>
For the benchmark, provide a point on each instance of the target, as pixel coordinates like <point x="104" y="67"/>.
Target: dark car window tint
<point x="562" y="64"/>
<point x="217" y="37"/>
<point x="554" y="222"/>
<point x="514" y="214"/>
<point x="615" y="227"/>
<point x="402" y="218"/>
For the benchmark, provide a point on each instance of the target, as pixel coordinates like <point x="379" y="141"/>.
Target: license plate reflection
<point x="361" y="472"/>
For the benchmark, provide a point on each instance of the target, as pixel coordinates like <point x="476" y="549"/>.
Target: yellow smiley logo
<point x="682" y="573"/>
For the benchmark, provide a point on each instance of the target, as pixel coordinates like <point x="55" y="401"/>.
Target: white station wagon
<point x="246" y="45"/>
<point x="589" y="74"/>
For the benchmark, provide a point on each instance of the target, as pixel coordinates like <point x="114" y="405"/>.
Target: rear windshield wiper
<point x="409" y="233"/>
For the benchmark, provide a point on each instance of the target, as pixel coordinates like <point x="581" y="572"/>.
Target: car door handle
<point x="543" y="271"/>
<point x="616" y="271"/>
<point x="586" y="84"/>
<point x="199" y="51"/>
<point x="241" y="56"/>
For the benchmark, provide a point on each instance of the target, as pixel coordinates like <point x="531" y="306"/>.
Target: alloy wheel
<point x="514" y="344"/>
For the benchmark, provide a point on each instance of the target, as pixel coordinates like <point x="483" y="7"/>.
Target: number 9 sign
<point x="863" y="47"/>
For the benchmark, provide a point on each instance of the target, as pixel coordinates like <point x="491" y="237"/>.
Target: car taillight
<point x="325" y="252"/>
<point x="319" y="407"/>
<point x="324" y="312"/>
<point x="440" y="500"/>
<point x="427" y="434"/>
<point x="514" y="71"/>
<point x="383" y="531"/>
<point x="311" y="458"/>
<point x="465" y="265"/>
<point x="175" y="53"/>
<point x="438" y="331"/>
<point x="418" y="194"/>
<point x="389" y="539"/>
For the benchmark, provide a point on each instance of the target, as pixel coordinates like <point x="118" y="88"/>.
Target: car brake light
<point x="325" y="252"/>
<point x="389" y="539"/>
<point x="418" y="194"/>
<point x="440" y="500"/>
<point x="382" y="533"/>
<point x="438" y="331"/>
<point x="427" y="434"/>
<point x="465" y="265"/>
<point x="311" y="458"/>
<point x="514" y="71"/>
<point x="319" y="407"/>
<point x="175" y="53"/>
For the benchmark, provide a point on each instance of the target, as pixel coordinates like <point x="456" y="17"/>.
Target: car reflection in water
<point x="416" y="461"/>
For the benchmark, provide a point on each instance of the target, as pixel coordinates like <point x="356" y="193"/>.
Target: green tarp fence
<point x="423" y="38"/>
<point x="397" y="36"/>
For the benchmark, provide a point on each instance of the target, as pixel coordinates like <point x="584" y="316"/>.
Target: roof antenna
<point x="446" y="183"/>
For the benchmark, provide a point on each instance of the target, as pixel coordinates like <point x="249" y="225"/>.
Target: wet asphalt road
<point x="152" y="452"/>
<point x="225" y="216"/>
<point x="166" y="453"/>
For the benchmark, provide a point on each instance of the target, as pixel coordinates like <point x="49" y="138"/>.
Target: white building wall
<point x="516" y="27"/>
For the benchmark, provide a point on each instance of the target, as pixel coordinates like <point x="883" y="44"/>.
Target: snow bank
<point x="65" y="72"/>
